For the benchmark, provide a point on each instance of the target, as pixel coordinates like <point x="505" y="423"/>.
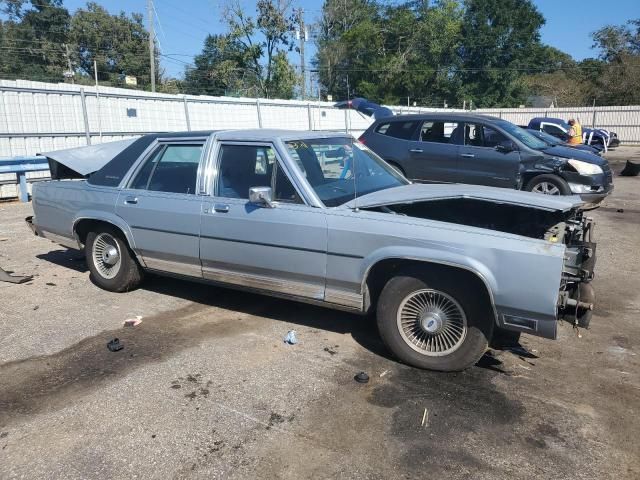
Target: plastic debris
<point x="425" y="418"/>
<point x="115" y="345"/>
<point x="361" y="378"/>
<point x="133" y="322"/>
<point x="630" y="169"/>
<point x="6" y="277"/>
<point x="291" y="337"/>
<point x="384" y="373"/>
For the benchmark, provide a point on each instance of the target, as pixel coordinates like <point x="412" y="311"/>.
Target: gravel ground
<point x="205" y="387"/>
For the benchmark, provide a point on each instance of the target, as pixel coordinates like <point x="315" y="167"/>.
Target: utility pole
<point x="70" y="67"/>
<point x="303" y="38"/>
<point x="152" y="37"/>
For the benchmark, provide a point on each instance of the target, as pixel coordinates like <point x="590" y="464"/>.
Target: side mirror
<point x="262" y="196"/>
<point x="505" y="146"/>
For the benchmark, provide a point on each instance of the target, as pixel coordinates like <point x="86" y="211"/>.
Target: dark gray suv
<point x="484" y="150"/>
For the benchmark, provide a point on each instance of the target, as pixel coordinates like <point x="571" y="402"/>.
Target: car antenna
<point x="355" y="178"/>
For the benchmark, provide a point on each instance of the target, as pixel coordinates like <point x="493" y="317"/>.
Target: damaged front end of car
<point x="556" y="221"/>
<point x="577" y="296"/>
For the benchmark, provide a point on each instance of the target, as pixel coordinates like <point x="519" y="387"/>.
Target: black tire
<point x="471" y="345"/>
<point x="125" y="274"/>
<point x="537" y="184"/>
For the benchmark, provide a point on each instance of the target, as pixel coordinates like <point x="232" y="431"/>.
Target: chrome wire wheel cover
<point x="546" y="188"/>
<point x="431" y="322"/>
<point x="106" y="255"/>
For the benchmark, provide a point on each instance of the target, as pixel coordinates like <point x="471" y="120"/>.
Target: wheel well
<point x="86" y="225"/>
<point x="384" y="270"/>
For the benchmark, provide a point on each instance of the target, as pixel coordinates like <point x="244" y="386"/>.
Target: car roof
<point x="459" y="116"/>
<point x="254" y="134"/>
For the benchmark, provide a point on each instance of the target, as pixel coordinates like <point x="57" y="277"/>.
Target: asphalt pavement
<point x="206" y="388"/>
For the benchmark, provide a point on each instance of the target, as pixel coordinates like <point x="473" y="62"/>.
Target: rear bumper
<point x="54" y="237"/>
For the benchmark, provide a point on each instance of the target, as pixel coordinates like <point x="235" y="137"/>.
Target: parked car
<point x="318" y="217"/>
<point x="555" y="141"/>
<point x="560" y="129"/>
<point x="484" y="150"/>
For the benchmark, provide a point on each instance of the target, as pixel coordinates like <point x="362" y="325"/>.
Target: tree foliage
<point x="451" y="51"/>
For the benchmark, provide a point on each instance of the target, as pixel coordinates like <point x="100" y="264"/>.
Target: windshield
<point x="545" y="137"/>
<point x="340" y="168"/>
<point x="521" y="134"/>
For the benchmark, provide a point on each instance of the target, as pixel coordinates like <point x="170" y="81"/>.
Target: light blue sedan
<point x="318" y="217"/>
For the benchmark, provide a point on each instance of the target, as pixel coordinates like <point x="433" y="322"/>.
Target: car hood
<point x="82" y="161"/>
<point x="569" y="152"/>
<point x="418" y="192"/>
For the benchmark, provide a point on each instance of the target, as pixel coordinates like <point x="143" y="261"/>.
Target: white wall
<point x="38" y="117"/>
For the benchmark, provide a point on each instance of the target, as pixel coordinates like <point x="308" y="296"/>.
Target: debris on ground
<point x="7" y="277"/>
<point x="133" y="322"/>
<point x="384" y="373"/>
<point x="361" y="378"/>
<point x="425" y="418"/>
<point x="291" y="337"/>
<point x="620" y="210"/>
<point x="115" y="345"/>
<point x="330" y="351"/>
<point x="630" y="169"/>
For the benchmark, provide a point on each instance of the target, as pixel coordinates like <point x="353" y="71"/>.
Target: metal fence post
<point x="309" y="116"/>
<point x="86" y="116"/>
<point x="259" y="113"/>
<point x="593" y="120"/>
<point x="186" y="112"/>
<point x="346" y="120"/>
<point x="24" y="192"/>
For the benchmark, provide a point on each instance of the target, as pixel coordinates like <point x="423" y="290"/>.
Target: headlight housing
<point x="584" y="168"/>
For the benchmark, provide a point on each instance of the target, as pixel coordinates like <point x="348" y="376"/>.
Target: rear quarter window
<point x="403" y="130"/>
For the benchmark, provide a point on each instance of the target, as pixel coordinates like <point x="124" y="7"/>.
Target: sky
<point x="182" y="25"/>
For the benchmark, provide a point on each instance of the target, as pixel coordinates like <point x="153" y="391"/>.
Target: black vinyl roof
<point x="113" y="172"/>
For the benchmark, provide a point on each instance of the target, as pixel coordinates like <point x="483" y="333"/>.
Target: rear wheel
<point x="112" y="265"/>
<point x="433" y="324"/>
<point x="548" y="185"/>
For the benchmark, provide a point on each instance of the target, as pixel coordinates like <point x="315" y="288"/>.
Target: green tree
<point x="499" y="37"/>
<point x="223" y="67"/>
<point x="118" y="44"/>
<point x="32" y="40"/>
<point x="262" y="39"/>
<point x="284" y="78"/>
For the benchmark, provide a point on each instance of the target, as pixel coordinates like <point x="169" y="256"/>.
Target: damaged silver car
<point x="318" y="217"/>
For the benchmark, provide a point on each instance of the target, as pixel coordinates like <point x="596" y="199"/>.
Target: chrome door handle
<point x="221" y="207"/>
<point x="131" y="200"/>
<point x="467" y="155"/>
<point x="416" y="150"/>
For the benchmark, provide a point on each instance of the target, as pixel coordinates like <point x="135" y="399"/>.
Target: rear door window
<point x="172" y="168"/>
<point x="439" y="131"/>
<point x="403" y="130"/>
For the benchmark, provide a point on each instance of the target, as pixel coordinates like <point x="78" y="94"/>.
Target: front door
<point x="434" y="156"/>
<point x="482" y="163"/>
<point x="281" y="249"/>
<point x="161" y="206"/>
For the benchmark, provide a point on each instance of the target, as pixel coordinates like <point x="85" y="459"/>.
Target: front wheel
<point x="111" y="262"/>
<point x="435" y="325"/>
<point x="548" y="185"/>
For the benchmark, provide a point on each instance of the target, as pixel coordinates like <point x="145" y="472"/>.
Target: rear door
<point x="434" y="155"/>
<point x="480" y="163"/>
<point x="161" y="206"/>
